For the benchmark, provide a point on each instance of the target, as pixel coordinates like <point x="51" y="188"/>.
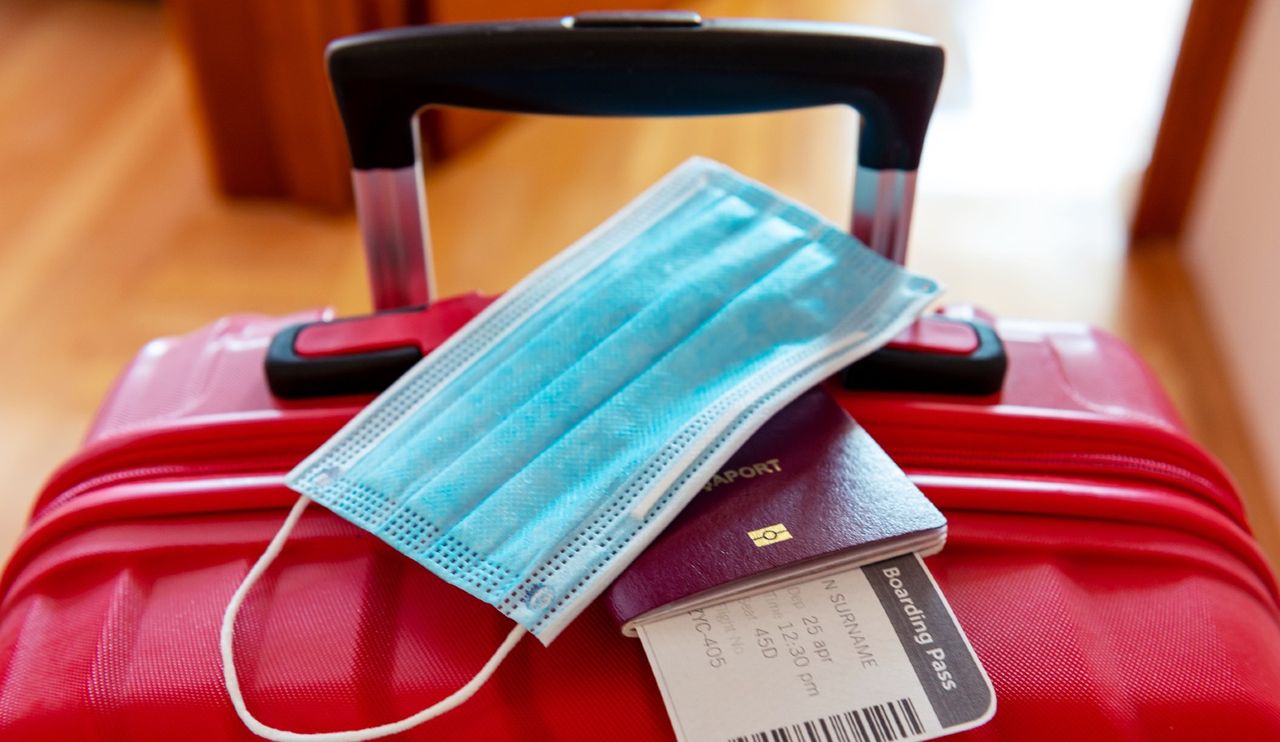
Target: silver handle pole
<point x="392" y="215"/>
<point x="392" y="212"/>
<point x="882" y="201"/>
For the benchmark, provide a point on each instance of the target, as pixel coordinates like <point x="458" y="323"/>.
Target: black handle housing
<point x="292" y="376"/>
<point x="668" y="64"/>
<point x="975" y="374"/>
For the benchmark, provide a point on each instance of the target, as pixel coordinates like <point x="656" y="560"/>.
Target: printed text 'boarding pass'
<point x="870" y="654"/>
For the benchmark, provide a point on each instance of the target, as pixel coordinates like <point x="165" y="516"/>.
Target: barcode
<point x="883" y="722"/>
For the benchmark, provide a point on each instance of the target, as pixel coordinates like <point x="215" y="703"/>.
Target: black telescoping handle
<point x="657" y="63"/>
<point x="664" y="63"/>
<point x="641" y="64"/>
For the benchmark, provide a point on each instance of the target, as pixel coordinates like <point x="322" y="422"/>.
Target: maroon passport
<point x="809" y="492"/>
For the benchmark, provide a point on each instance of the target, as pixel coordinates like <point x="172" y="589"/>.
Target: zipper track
<point x="225" y="449"/>
<point x="248" y="465"/>
<point x="1100" y="448"/>
<point x="1204" y="522"/>
<point x="219" y="446"/>
<point x="1111" y="466"/>
<point x="229" y="450"/>
<point x="243" y="447"/>
<point x="1150" y="469"/>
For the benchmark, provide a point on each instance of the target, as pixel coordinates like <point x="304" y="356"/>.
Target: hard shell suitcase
<point x="1098" y="559"/>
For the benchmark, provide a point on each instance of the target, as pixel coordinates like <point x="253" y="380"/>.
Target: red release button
<point x="937" y="335"/>
<point x="422" y="328"/>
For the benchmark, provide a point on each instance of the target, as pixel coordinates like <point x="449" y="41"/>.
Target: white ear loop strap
<point x="449" y="703"/>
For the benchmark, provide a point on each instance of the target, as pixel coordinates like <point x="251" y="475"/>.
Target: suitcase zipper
<point x="276" y="445"/>
<point x="1080" y="447"/>
<point x="1111" y="465"/>
<point x="967" y="443"/>
<point x="1087" y="466"/>
<point x="213" y="490"/>
<point x="222" y="447"/>
<point x="263" y="465"/>
<point x="234" y="451"/>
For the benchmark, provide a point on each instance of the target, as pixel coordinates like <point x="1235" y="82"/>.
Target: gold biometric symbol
<point x="768" y="535"/>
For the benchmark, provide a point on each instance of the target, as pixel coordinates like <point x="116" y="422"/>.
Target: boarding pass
<point x="870" y="654"/>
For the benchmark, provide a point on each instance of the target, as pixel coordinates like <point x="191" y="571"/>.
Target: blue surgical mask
<point x="530" y="458"/>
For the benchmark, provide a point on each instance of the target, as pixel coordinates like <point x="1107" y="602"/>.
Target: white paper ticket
<point x="870" y="654"/>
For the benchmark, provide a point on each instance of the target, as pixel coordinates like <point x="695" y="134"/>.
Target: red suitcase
<point x="1098" y="559"/>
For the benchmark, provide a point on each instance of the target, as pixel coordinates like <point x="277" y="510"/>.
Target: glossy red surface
<point x="934" y="335"/>
<point x="1098" y="560"/>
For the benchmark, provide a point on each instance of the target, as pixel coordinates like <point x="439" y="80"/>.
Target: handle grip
<point x="665" y="64"/>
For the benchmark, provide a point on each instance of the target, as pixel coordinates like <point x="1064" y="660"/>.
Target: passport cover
<point x="810" y="486"/>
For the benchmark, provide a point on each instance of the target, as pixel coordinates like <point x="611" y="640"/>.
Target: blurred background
<point x="166" y="163"/>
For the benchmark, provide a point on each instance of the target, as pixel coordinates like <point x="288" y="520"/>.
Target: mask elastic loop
<point x="457" y="698"/>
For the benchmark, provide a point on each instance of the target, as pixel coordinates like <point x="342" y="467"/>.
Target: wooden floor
<point x="110" y="235"/>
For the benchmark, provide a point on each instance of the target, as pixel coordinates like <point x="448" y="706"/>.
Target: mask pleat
<point x="503" y="378"/>
<point x="596" y="378"/>
<point x="761" y="322"/>
<point x="540" y="448"/>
